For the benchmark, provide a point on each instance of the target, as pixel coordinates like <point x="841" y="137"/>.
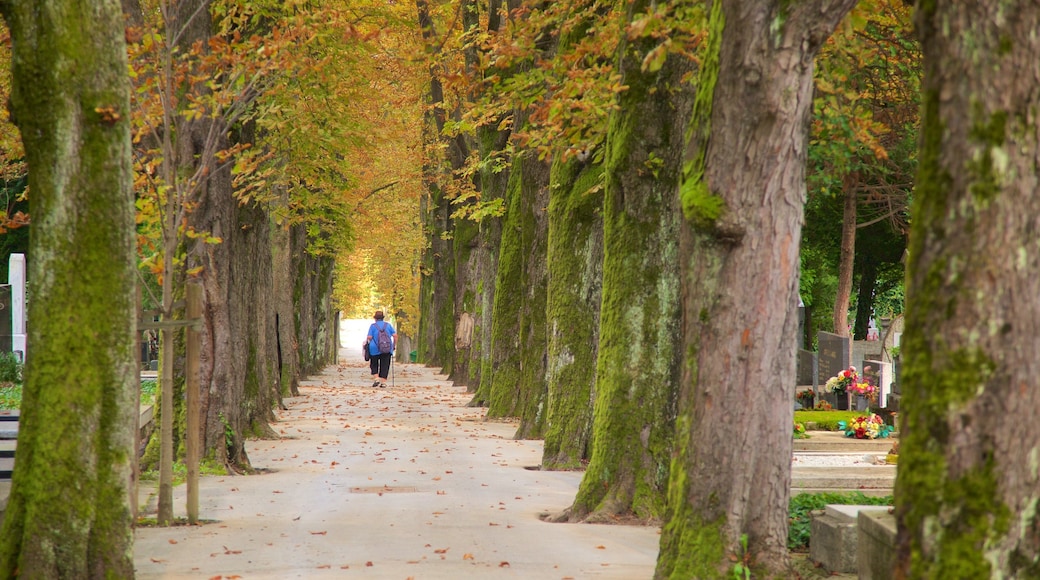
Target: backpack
<point x="383" y="340"/>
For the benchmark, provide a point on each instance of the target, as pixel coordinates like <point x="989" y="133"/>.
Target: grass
<point x="804" y="503"/>
<point x="180" y="472"/>
<point x="825" y="420"/>
<point x="11" y="394"/>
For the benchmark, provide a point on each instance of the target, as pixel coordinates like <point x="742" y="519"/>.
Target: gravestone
<point x="832" y="359"/>
<point x="879" y="374"/>
<point x="897" y="391"/>
<point x="16" y="278"/>
<point x="5" y="318"/>
<point x="806" y="368"/>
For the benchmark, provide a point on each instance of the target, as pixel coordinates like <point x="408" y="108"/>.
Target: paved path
<point x="403" y="482"/>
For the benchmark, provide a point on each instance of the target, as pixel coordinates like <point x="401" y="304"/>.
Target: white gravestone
<point x="16" y="278"/>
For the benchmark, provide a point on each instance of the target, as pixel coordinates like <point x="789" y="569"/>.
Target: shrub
<point x="803" y="503"/>
<point x="10" y="368"/>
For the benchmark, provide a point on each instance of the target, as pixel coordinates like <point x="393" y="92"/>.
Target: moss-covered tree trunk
<point x="637" y="366"/>
<point x="69" y="513"/>
<point x="513" y="378"/>
<point x="315" y="315"/>
<point x="285" y="318"/>
<point x="575" y="264"/>
<point x="253" y="321"/>
<point x="968" y="483"/>
<point x="485" y="259"/>
<point x="743" y="195"/>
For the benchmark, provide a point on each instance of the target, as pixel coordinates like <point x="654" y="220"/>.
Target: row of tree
<point x="236" y="155"/>
<point x="616" y="194"/>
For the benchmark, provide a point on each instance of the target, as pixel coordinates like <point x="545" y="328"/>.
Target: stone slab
<point x="876" y="546"/>
<point x="835" y="542"/>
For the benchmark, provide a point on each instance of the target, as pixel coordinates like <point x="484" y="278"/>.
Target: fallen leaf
<point x="601" y="547"/>
<point x="467" y="556"/>
<point x="369" y="564"/>
<point x="503" y="564"/>
<point x="172" y="541"/>
<point x="441" y="551"/>
<point x="158" y="560"/>
<point x="322" y="533"/>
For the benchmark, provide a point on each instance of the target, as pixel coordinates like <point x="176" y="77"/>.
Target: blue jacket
<point x="373" y="333"/>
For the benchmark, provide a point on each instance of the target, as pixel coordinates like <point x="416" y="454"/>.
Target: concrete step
<point x="836" y="442"/>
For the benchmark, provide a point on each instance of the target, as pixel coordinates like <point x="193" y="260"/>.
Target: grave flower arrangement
<point x="864" y="389"/>
<point x="866" y="427"/>
<point x="842" y="381"/>
<point x="805" y="397"/>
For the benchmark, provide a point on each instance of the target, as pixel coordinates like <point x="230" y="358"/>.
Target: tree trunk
<point x="69" y="512"/>
<point x="575" y="264"/>
<point x="967" y="483"/>
<point x="865" y="298"/>
<point x="743" y="198"/>
<point x="513" y="384"/>
<point x="637" y="363"/>
<point x="315" y="317"/>
<point x="492" y="187"/>
<point x="846" y="260"/>
<point x="285" y="317"/>
<point x="437" y="273"/>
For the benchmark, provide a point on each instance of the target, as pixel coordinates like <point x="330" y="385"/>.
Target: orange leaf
<point x="467" y="556"/>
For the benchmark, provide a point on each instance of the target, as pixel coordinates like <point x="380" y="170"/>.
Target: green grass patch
<point x="10" y="397"/>
<point x="803" y="503"/>
<point x="149" y="390"/>
<point x="11" y="394"/>
<point x="825" y="420"/>
<point x="180" y="472"/>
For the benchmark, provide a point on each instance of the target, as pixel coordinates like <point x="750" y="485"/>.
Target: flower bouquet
<point x="805" y="397"/>
<point x="866" y="427"/>
<point x="841" y="382"/>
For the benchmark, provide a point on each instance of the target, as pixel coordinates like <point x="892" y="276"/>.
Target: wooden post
<point x="193" y="429"/>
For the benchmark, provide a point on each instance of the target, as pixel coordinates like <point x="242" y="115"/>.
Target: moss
<point x="700" y="206"/>
<point x="572" y="305"/>
<point x="954" y="520"/>
<point x="990" y="163"/>
<point x="690" y="547"/>
<point x="502" y="371"/>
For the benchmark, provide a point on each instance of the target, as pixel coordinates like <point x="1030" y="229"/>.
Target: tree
<point x="742" y="195"/>
<point x="967" y="482"/>
<point x="637" y="362"/>
<point x="69" y="513"/>
<point x="862" y="156"/>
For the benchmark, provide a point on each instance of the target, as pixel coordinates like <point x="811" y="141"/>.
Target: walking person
<point x="381" y="342"/>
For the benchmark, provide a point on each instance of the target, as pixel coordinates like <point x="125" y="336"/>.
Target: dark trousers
<point x="381" y="364"/>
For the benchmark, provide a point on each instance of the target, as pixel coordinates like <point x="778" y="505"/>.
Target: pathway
<point x="403" y="482"/>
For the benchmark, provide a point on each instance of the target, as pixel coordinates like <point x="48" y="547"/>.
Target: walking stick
<point x="393" y="383"/>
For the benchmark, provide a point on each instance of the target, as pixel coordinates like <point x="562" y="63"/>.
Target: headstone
<point x="5" y="318"/>
<point x="806" y="368"/>
<point x="16" y="278"/>
<point x="833" y="358"/>
<point x="879" y="373"/>
<point x="834" y="354"/>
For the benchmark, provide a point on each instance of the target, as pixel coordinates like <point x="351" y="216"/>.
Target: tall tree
<point x="967" y="484"/>
<point x="743" y="195"/>
<point x="637" y="363"/>
<point x="69" y="513"/>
